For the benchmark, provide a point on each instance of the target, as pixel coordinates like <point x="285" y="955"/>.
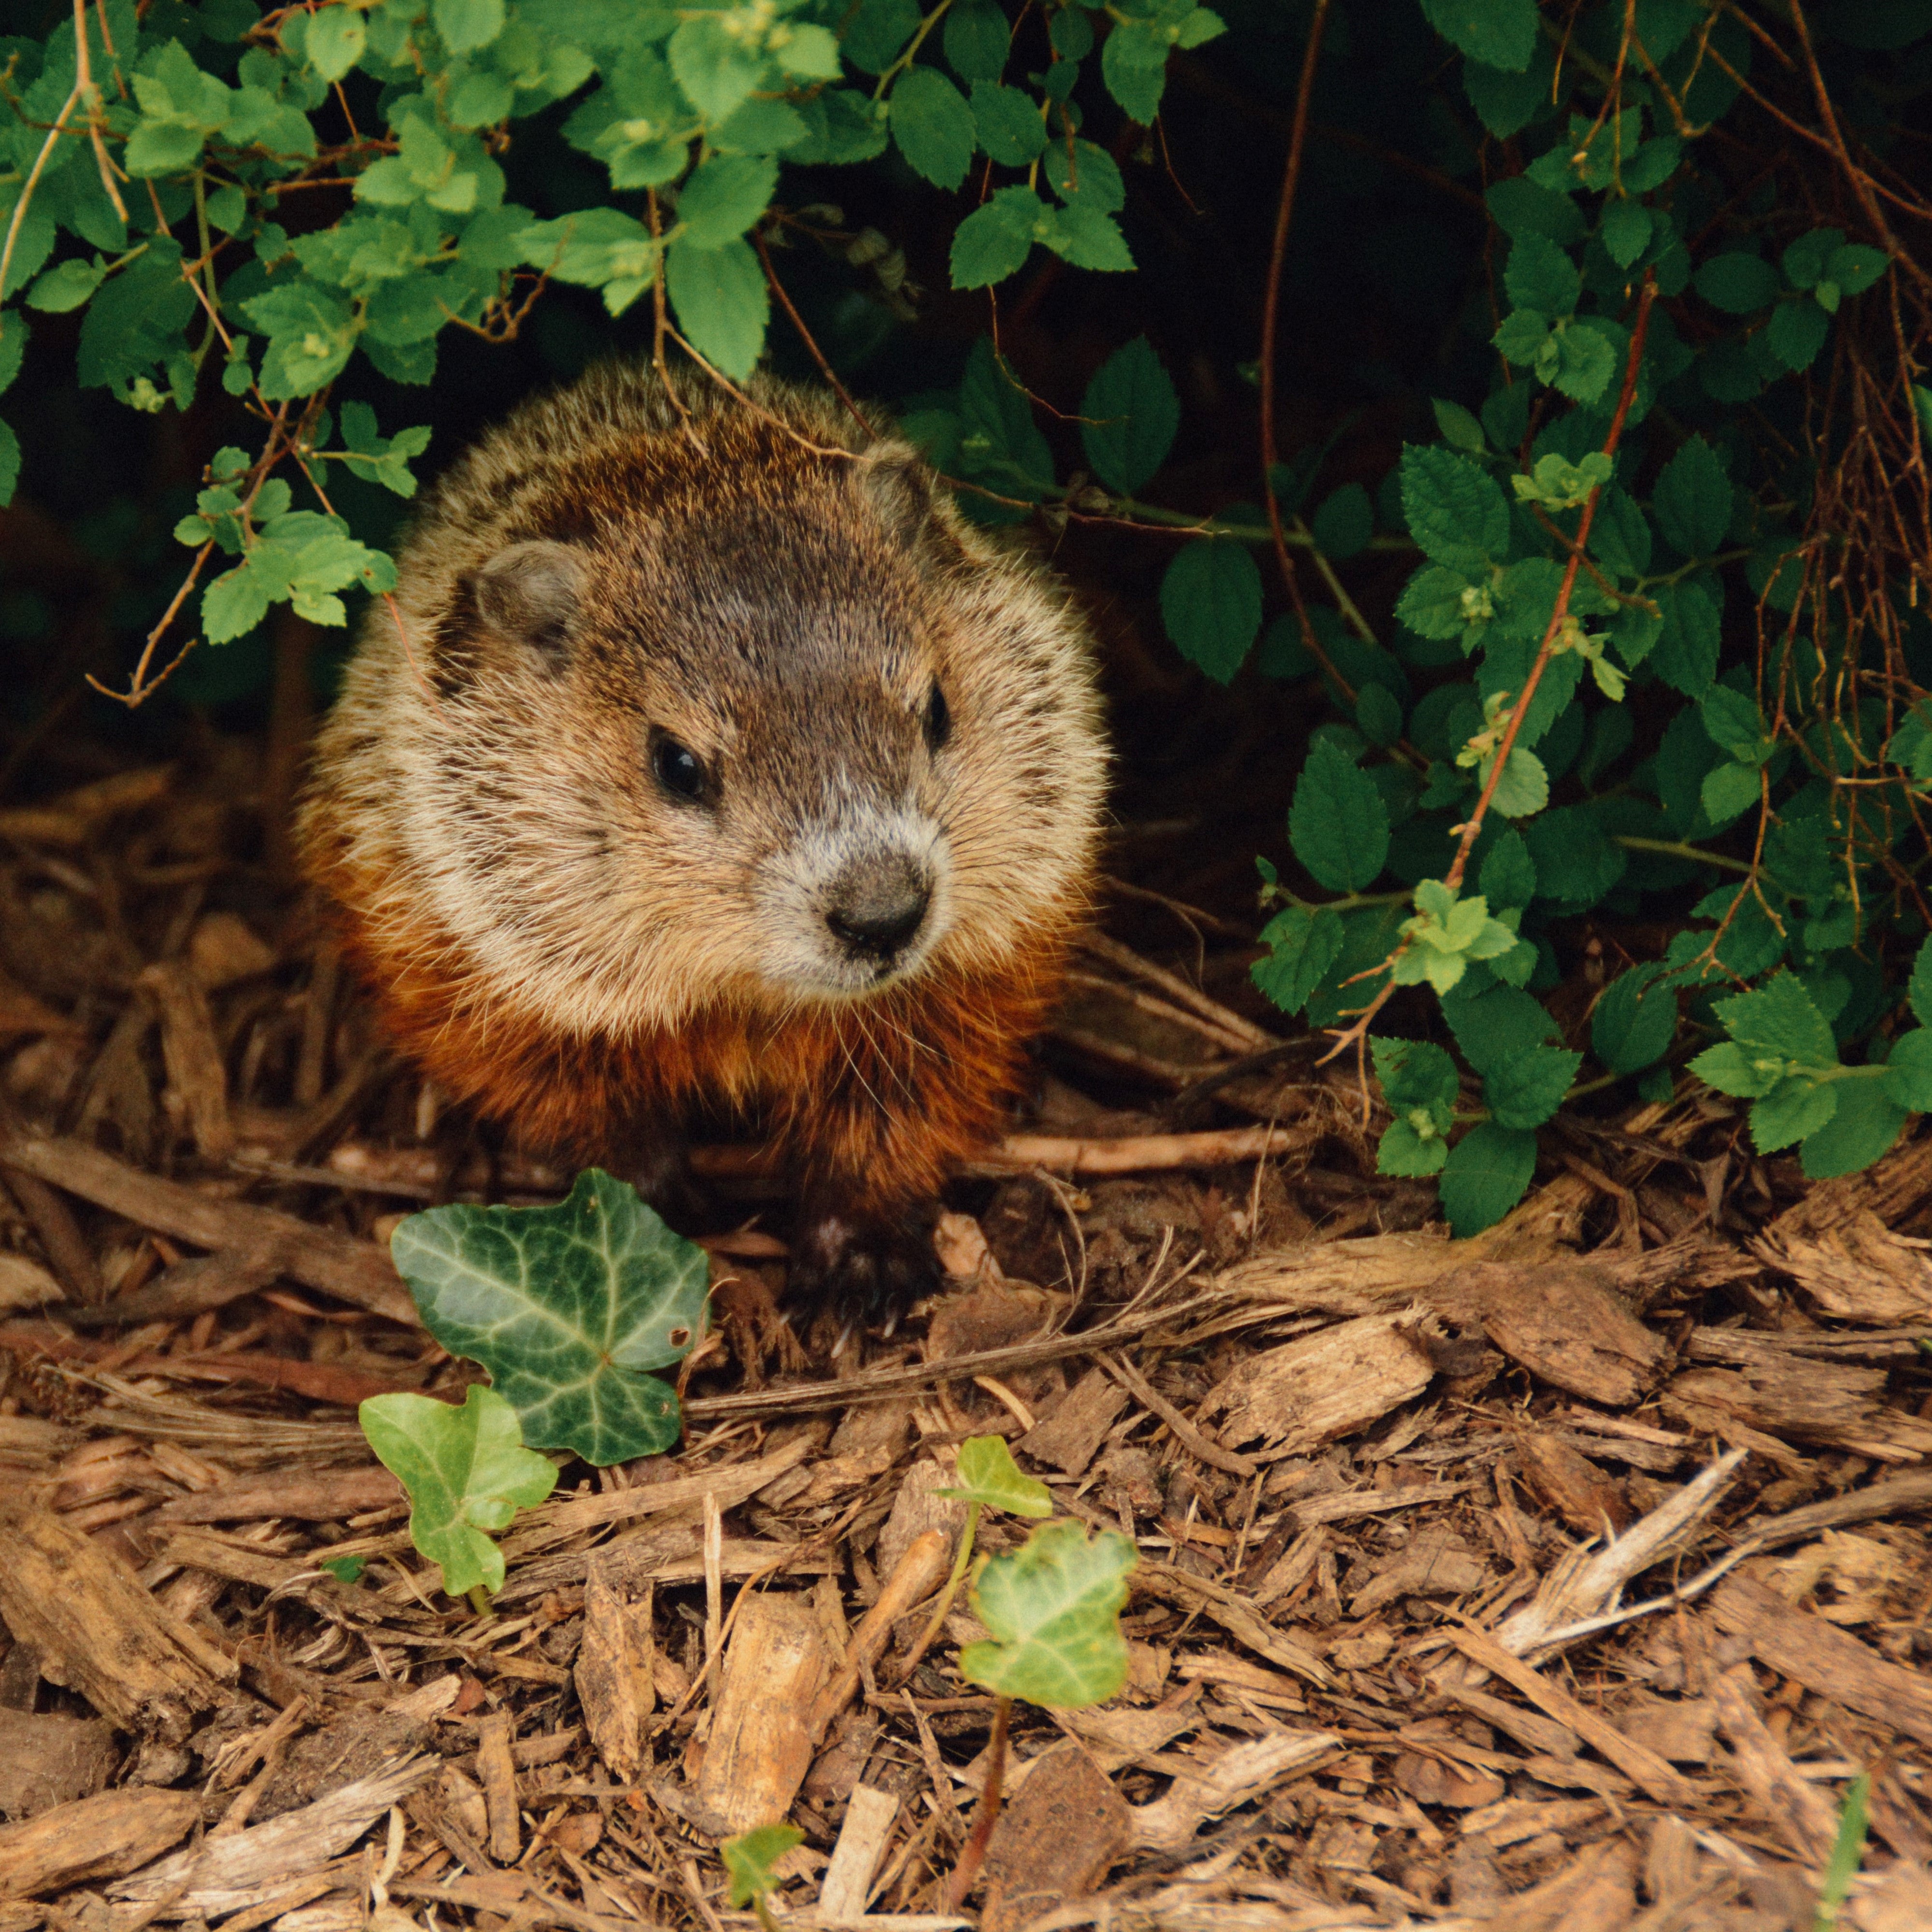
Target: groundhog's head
<point x="731" y="713"/>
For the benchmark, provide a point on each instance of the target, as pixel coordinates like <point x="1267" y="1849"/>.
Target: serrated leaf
<point x="751" y="1857"/>
<point x="1338" y="823"/>
<point x="933" y="126"/>
<point x="567" y="1307"/>
<point x="1081" y="234"/>
<point x="723" y="197"/>
<point x="335" y="42"/>
<point x="1454" y="508"/>
<point x="1010" y="129"/>
<point x="1128" y="417"/>
<point x="1779" y="1020"/>
<point x="1526" y="1088"/>
<point x="1635" y="1020"/>
<point x="1796" y="332"/>
<point x="1488" y="1170"/>
<point x="1523" y="790"/>
<point x="1867" y="1123"/>
<point x="1406" y="1153"/>
<point x="1586" y="362"/>
<point x="468" y="24"/>
<point x="1856" y="267"/>
<point x="1540" y="276"/>
<point x="1459" y="428"/>
<point x="989" y="1476"/>
<point x="65" y="286"/>
<point x="976" y="35"/>
<point x="467" y="1472"/>
<point x="1417" y="1074"/>
<point x="1304" y="943"/>
<point x="1211" y="600"/>
<point x="994" y="241"/>
<point x="1795" y="1108"/>
<point x="1508" y="877"/>
<point x="1692" y="500"/>
<point x="1739" y="283"/>
<point x="722" y="303"/>
<point x="1625" y="229"/>
<point x="1344" y="522"/>
<point x="1053" y="1607"/>
<point x="1728" y="790"/>
<point x="1499" y="33"/>
<point x="1908" y="1071"/>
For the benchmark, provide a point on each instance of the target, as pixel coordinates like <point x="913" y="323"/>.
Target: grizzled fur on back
<point x="667" y="712"/>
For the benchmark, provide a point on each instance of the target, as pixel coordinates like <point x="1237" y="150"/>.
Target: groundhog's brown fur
<point x="723" y="763"/>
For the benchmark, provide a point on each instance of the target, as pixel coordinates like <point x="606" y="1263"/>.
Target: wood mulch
<point x="1565" y="1577"/>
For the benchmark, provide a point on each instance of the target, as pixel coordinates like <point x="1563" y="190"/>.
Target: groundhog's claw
<point x="861" y="1268"/>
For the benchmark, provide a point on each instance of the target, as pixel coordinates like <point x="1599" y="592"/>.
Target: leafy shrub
<point x="1659" y="654"/>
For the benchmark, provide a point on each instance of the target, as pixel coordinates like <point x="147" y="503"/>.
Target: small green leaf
<point x="1210" y="599"/>
<point x="1304" y="942"/>
<point x="722" y="199"/>
<point x="1693" y="499"/>
<point x="466" y="1472"/>
<point x="467" y="25"/>
<point x="335" y="39"/>
<point x="1508" y="877"/>
<point x="65" y="286"/>
<point x="1499" y="33"/>
<point x="1540" y="276"/>
<point x="1728" y="790"/>
<point x="989" y="1476"/>
<point x="567" y="1307"/>
<point x="1453" y="507"/>
<point x="1338" y="824"/>
<point x="1739" y="284"/>
<point x="1796" y="332"/>
<point x="346" y="1569"/>
<point x="721" y="302"/>
<point x="1489" y="1171"/>
<point x="1524" y="1089"/>
<point x="1053" y="1607"/>
<point x="977" y="36"/>
<point x="1523" y="790"/>
<point x="1459" y="428"/>
<point x="1867" y="1123"/>
<point x="1128" y="417"/>
<point x="1908" y="1071"/>
<point x="933" y="126"/>
<point x="1856" y="267"/>
<point x="1779" y="1021"/>
<point x="994" y="241"/>
<point x="1626" y="231"/>
<point x="750" y="1859"/>
<point x="1635" y="1020"/>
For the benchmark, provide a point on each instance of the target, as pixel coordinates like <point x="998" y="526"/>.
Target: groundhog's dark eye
<point x="677" y="768"/>
<point x="938" y="718"/>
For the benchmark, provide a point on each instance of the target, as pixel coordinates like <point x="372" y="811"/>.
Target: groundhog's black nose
<point x="878" y="906"/>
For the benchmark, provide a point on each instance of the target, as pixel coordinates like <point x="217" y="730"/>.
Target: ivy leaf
<point x="566" y="1307"/>
<point x="1210" y="599"/>
<point x="750" y="1860"/>
<point x="1304" y="942"/>
<point x="1635" y="1022"/>
<point x="1129" y="417"/>
<point x="467" y="1473"/>
<point x="1338" y="824"/>
<point x="1053" y="1607"/>
<point x="989" y="1476"/>
<point x="933" y="126"/>
<point x="1488" y="1170"/>
<point x="721" y="302"/>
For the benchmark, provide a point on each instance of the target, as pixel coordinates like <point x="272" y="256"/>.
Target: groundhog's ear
<point x="530" y="594"/>
<point x="898" y="483"/>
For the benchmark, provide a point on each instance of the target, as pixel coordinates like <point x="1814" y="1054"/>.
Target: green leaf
<point x="722" y="199"/>
<point x="346" y="1569"/>
<point x="1378" y="713"/>
<point x="994" y="241"/>
<point x="1088" y="239"/>
<point x="1523" y="790"/>
<point x="65" y="286"/>
<point x="721" y="302"/>
<point x="1339" y="825"/>
<point x="1420" y="1083"/>
<point x="1540" y="275"/>
<point x="1780" y="1022"/>
<point x="1856" y="267"/>
<point x="1459" y="427"/>
<point x="1796" y="1107"/>
<point x="567" y="1307"/>
<point x="989" y="1476"/>
<point x="1796" y="332"/>
<point x="1488" y="1170"/>
<point x="9" y="464"/>
<point x="335" y="42"/>
<point x="1496" y="1023"/>
<point x="1508" y="877"/>
<point x="1625" y="229"/>
<point x="1576" y="862"/>
<point x="1002" y="440"/>
<point x="933" y="126"/>
<point x="1729" y="790"/>
<point x="1009" y="126"/>
<point x="135" y="319"/>
<point x="1344" y="522"/>
<point x="1908" y="1071"/>
<point x="1210" y="599"/>
<point x="750" y="1859"/>
<point x="1133" y="64"/>
<point x="1921" y="987"/>
<point x="1729" y="1069"/>
<point x="1128" y="417"/>
<point x="1692" y="501"/>
<point x="717" y="71"/>
<point x="976" y="37"/>
<point x="1526" y="1088"/>
<point x="1499" y="33"/>
<point x="1635" y="1020"/>
<point x="467" y="25"/>
<point x="1739" y="283"/>
<point x="1053" y="1607"/>
<point x="466" y="1472"/>
<point x="1090" y="176"/>
<point x="1585" y="362"/>
<point x="1867" y="1123"/>
<point x="1848" y="1848"/>
<point x="1405" y="1151"/>
<point x="1304" y="941"/>
<point x="878" y="31"/>
<point x="1454" y="508"/>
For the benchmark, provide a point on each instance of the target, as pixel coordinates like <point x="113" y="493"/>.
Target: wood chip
<point x="101" y="1837"/>
<point x="50" y="1760"/>
<point x="1824" y="1658"/>
<point x="1055" y="1841"/>
<point x="80" y="1607"/>
<point x="761" y="1738"/>
<point x="862" y="1839"/>
<point x="1323" y="1386"/>
<point x="1806" y="1818"/>
<point x="197" y="1079"/>
<point x="496" y="1772"/>
<point x="1078" y="1425"/>
<point x="613" y="1678"/>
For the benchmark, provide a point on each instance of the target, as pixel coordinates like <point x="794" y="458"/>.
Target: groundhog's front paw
<point x="860" y="1267"/>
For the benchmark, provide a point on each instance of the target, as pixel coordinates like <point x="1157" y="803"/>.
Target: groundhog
<point x="706" y="757"/>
